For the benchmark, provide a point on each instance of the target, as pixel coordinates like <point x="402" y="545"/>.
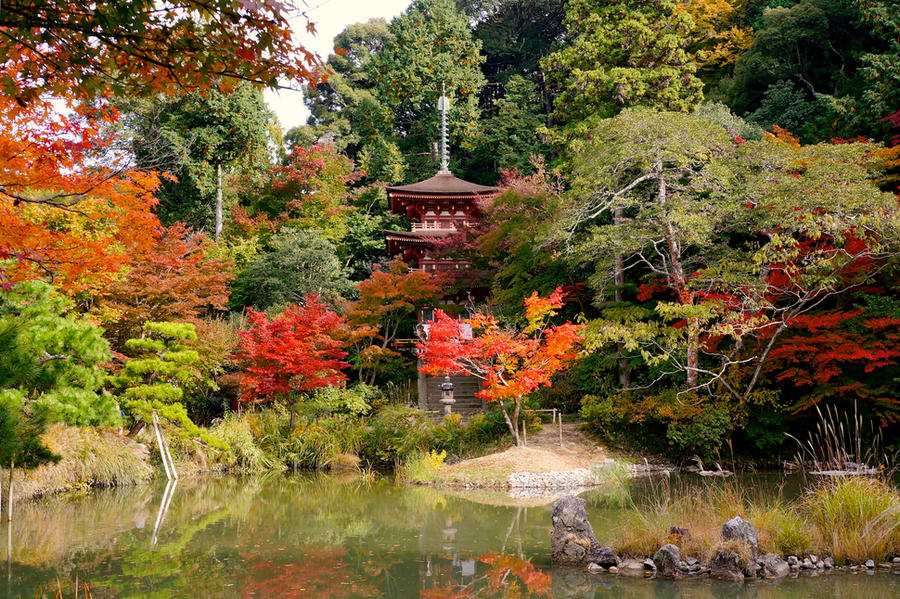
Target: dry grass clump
<point x="91" y="457"/>
<point x="858" y="518"/>
<point x="851" y="519"/>
<point x="739" y="549"/>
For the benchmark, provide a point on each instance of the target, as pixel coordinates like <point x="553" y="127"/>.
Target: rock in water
<point x="603" y="556"/>
<point x="572" y="541"/>
<point x="726" y="565"/>
<point x="775" y="567"/>
<point x="666" y="560"/>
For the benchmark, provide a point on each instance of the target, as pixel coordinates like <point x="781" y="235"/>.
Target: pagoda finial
<point x="444" y="106"/>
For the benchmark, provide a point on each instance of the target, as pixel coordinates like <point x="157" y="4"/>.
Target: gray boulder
<point x="572" y="541"/>
<point x="738" y="529"/>
<point x="775" y="567"/>
<point x="726" y="565"/>
<point x="666" y="560"/>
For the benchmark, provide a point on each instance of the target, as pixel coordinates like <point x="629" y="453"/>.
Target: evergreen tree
<point x="52" y="358"/>
<point x="511" y="136"/>
<point x="300" y="262"/>
<point x="430" y="46"/>
<point x="621" y="53"/>
<point x="154" y="379"/>
<point x="195" y="137"/>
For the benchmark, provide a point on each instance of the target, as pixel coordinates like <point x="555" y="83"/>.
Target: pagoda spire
<point x="444" y="106"/>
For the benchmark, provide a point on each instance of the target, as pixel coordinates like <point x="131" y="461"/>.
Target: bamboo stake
<point x="162" y="451"/>
<point x="169" y="455"/>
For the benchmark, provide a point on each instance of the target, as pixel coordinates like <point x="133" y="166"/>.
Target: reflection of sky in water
<point x="331" y="537"/>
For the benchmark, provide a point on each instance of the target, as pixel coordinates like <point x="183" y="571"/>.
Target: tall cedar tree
<point x="510" y="362"/>
<point x="619" y="54"/>
<point x="288" y="355"/>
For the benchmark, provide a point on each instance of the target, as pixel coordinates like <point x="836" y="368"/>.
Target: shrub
<point x="91" y="457"/>
<point x="422" y="467"/>
<point x="701" y="434"/>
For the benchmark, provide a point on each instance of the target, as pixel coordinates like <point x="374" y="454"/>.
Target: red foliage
<point x="291" y="353"/>
<point x="511" y="363"/>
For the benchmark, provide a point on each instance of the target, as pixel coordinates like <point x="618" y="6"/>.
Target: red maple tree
<point x="283" y="357"/>
<point x="510" y="362"/>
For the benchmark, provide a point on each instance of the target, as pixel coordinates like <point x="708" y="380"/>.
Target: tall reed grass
<point x="849" y="518"/>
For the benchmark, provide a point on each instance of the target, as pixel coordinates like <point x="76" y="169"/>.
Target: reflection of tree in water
<point x="502" y="575"/>
<point x="321" y="573"/>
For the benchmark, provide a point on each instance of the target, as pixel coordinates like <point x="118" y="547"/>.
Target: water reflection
<point x="332" y="537"/>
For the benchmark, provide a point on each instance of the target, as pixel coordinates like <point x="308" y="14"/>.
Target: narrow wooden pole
<point x="524" y="435"/>
<point x="9" y="498"/>
<point x="169" y="455"/>
<point x="162" y="450"/>
<point x="560" y="429"/>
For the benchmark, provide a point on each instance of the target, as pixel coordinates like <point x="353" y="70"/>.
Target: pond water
<point x="333" y="536"/>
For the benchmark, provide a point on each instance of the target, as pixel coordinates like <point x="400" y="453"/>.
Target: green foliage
<point x="430" y="45"/>
<point x="189" y="136"/>
<point x="702" y="434"/>
<point x="510" y="138"/>
<point x="52" y="357"/>
<point x="803" y="71"/>
<point x="620" y="54"/>
<point x="20" y="433"/>
<point x="298" y="262"/>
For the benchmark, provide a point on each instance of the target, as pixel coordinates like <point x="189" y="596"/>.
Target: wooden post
<point x="560" y="429"/>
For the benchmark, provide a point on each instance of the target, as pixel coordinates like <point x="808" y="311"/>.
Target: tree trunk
<point x="515" y="418"/>
<point x="684" y="296"/>
<point x="9" y="497"/>
<point x="218" y="201"/>
<point x="624" y="370"/>
<point x="135" y="429"/>
<point x="513" y="428"/>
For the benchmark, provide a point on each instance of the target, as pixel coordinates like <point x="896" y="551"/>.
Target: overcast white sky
<point x="330" y="17"/>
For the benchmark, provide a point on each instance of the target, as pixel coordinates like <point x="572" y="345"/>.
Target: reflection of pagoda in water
<point x="439" y="207"/>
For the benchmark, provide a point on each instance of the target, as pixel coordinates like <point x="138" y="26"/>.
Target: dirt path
<point x="543" y="453"/>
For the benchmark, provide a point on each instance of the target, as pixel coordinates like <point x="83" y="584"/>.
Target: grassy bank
<point x="90" y="458"/>
<point x="850" y="519"/>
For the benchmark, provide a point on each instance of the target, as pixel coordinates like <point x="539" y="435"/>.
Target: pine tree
<point x="155" y="378"/>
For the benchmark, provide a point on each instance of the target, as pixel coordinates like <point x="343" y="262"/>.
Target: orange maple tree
<point x="388" y="300"/>
<point x="67" y="215"/>
<point x="283" y="357"/>
<point x="510" y="362"/>
<point x="175" y="278"/>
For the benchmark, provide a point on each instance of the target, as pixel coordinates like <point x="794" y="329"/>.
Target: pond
<point x="336" y="536"/>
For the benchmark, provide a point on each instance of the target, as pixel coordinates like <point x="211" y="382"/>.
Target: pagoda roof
<point x="443" y="184"/>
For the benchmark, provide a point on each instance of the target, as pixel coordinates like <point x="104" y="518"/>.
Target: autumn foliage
<point x="292" y="353"/>
<point x="67" y="216"/>
<point x="388" y="300"/>
<point x="510" y="362"/>
<point x="173" y="279"/>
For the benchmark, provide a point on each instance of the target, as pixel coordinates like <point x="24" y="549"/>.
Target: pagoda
<point x="438" y="207"/>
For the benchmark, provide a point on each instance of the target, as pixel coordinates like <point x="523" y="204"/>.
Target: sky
<point x="330" y="17"/>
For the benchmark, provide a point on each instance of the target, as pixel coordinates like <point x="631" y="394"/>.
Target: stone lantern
<point x="447" y="395"/>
